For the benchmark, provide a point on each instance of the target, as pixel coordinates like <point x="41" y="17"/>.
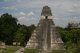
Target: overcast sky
<point x="28" y="11"/>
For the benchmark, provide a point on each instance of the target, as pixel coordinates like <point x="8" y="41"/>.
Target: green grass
<point x="58" y="51"/>
<point x="10" y="49"/>
<point x="31" y="51"/>
<point x="37" y="51"/>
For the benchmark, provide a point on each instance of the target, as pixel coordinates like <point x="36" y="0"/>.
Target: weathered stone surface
<point x="46" y="11"/>
<point x="45" y="37"/>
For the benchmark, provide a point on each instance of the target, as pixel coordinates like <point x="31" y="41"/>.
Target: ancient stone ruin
<point x="45" y="37"/>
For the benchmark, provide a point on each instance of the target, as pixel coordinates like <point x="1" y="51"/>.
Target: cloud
<point x="1" y="0"/>
<point x="70" y="10"/>
<point x="21" y="18"/>
<point x="22" y="13"/>
<point x="9" y="0"/>
<point x="31" y="9"/>
<point x="0" y="14"/>
<point x="75" y="4"/>
<point x="30" y="14"/>
<point x="10" y="8"/>
<point x="27" y="18"/>
<point x="18" y="0"/>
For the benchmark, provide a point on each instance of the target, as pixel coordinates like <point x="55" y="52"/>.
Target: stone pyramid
<point x="45" y="37"/>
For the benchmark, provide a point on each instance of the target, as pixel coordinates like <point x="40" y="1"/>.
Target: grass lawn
<point x="37" y="51"/>
<point x="31" y="51"/>
<point x="58" y="51"/>
<point x="10" y="49"/>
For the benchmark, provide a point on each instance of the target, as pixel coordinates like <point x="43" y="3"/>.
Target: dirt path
<point x="21" y="50"/>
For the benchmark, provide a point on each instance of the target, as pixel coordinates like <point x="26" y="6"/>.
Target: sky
<point x="29" y="11"/>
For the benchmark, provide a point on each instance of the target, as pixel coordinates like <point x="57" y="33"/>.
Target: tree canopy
<point x="10" y="31"/>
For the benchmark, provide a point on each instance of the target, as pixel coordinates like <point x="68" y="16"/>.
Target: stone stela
<point x="45" y="37"/>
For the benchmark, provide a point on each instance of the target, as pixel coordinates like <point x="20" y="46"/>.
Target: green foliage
<point x="21" y="34"/>
<point x="71" y="38"/>
<point x="10" y="49"/>
<point x="8" y="26"/>
<point x="10" y="31"/>
<point x="77" y="50"/>
<point x="29" y="31"/>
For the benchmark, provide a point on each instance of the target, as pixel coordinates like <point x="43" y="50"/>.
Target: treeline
<point x="71" y="38"/>
<point x="11" y="31"/>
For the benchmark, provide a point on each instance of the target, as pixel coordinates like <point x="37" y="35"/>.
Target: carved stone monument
<point x="45" y="37"/>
